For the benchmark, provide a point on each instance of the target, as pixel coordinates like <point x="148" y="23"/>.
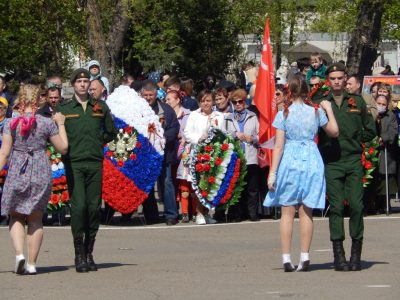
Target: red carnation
<point x="368" y="165"/>
<point x="109" y="153"/>
<point x="364" y="179"/>
<point x="204" y="194"/>
<point x="63" y="179"/>
<point x="208" y="148"/>
<point x="351" y="102"/>
<point x="132" y="156"/>
<point x="128" y="130"/>
<point x="138" y="145"/>
<point x="199" y="157"/>
<point x="206" y="156"/>
<point x="54" y="199"/>
<point x="207" y="167"/>
<point x="371" y="151"/>
<point x="345" y="202"/>
<point x="121" y="163"/>
<point x="224" y="147"/>
<point x="211" y="179"/>
<point x="199" y="168"/>
<point x="65" y="196"/>
<point x="218" y="161"/>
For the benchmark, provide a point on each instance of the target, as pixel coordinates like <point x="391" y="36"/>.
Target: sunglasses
<point x="278" y="94"/>
<point x="234" y="102"/>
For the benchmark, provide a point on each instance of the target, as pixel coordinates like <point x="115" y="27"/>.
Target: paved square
<point x="226" y="261"/>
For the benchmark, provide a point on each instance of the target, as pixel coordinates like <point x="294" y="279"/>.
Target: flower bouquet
<point x="133" y="161"/>
<point x="3" y="174"/>
<point x="369" y="160"/>
<point x="59" y="192"/>
<point x="218" y="167"/>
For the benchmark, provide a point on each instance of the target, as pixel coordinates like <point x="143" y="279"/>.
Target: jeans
<point x="168" y="193"/>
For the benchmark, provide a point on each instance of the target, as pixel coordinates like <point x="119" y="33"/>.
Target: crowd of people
<point x="303" y="172"/>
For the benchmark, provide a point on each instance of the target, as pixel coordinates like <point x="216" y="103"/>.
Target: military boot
<point x="339" y="256"/>
<point x="80" y="256"/>
<point x="355" y="259"/>
<point x="89" y="243"/>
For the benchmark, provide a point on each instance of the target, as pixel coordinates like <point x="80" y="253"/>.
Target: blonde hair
<point x="28" y="95"/>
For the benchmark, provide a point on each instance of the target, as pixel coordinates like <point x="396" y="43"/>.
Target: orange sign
<point x="394" y="81"/>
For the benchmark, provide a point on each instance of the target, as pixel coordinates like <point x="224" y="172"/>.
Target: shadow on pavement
<point x="112" y="265"/>
<point x="329" y="265"/>
<point x="54" y="269"/>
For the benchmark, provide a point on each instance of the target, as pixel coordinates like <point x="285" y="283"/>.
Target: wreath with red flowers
<point x="59" y="192"/>
<point x="369" y="160"/>
<point x="126" y="187"/>
<point x="218" y="168"/>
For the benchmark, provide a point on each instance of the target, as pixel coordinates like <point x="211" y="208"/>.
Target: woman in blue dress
<point x="296" y="178"/>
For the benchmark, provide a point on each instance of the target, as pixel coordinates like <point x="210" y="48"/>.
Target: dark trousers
<point x="344" y="181"/>
<point x="249" y="200"/>
<point x="167" y="193"/>
<point x="85" y="185"/>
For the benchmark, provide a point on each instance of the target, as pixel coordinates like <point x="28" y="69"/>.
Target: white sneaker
<point x="19" y="264"/>
<point x="30" y="269"/>
<point x="200" y="220"/>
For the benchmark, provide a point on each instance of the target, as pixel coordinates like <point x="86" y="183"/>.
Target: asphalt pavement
<point x="225" y="261"/>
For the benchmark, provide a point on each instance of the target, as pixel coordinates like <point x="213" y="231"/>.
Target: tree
<point x="153" y="38"/>
<point x="285" y="16"/>
<point x="365" y="38"/>
<point x="39" y="36"/>
<point x="106" y="34"/>
<point x="209" y="37"/>
<point x="192" y="37"/>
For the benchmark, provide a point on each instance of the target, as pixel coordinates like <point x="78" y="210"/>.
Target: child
<point x="317" y="67"/>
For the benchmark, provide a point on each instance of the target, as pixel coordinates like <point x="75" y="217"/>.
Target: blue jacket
<point x="171" y="127"/>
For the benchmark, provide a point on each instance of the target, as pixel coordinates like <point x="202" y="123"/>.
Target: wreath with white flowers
<point x="133" y="161"/>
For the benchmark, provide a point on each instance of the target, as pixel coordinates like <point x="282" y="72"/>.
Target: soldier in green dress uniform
<point x="343" y="168"/>
<point x="89" y="126"/>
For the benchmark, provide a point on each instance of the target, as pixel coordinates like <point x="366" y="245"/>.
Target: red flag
<point x="265" y="91"/>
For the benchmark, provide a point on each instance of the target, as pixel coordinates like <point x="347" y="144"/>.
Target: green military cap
<point x="79" y="73"/>
<point x="335" y="67"/>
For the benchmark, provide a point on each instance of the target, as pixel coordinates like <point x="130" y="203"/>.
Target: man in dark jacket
<point x="170" y="125"/>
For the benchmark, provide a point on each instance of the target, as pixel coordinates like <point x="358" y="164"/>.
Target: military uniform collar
<point x="75" y="102"/>
<point x="344" y="94"/>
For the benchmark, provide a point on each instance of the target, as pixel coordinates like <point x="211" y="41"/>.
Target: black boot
<point x="355" y="259"/>
<point x="80" y="256"/>
<point x="89" y="243"/>
<point x="339" y="256"/>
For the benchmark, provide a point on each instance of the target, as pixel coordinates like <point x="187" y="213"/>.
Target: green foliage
<point x="39" y="35"/>
<point x="195" y="37"/>
<point x="391" y="21"/>
<point x="153" y="37"/>
<point x="209" y="37"/>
